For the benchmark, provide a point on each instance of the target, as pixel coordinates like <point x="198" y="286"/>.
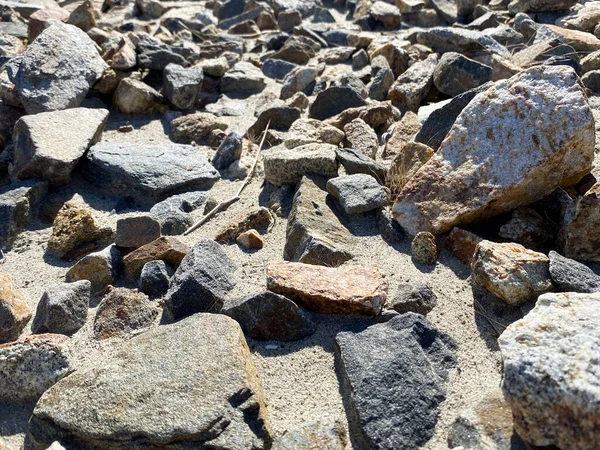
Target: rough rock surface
<point x="18" y="205"/>
<point x="100" y="268"/>
<point x="574" y="236"/>
<point x="197" y="381"/>
<point x="63" y="309"/>
<point x="14" y="312"/>
<point x="155" y="279"/>
<point x="134" y="232"/>
<point x="255" y="218"/>
<point x="317" y="435"/>
<point x="482" y="169"/>
<point x="414" y="297"/>
<point x="358" y="193"/>
<point x="173" y="213"/>
<point x="572" y="276"/>
<point x="288" y="167"/>
<point x="168" y="249"/>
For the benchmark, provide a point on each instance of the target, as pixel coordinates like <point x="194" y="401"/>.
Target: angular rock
<point x="156" y="55"/>
<point x="136" y="97"/>
<point x="327" y="290"/>
<point x="447" y="191"/>
<point x="361" y="137"/>
<point x="243" y="77"/>
<point x="149" y="171"/>
<point x="57" y="69"/>
<point x="571" y="276"/>
<point x="133" y="232"/>
<point x="406" y="164"/>
<point x="462" y="244"/>
<point x="456" y="74"/>
<point x="358" y="193"/>
<point x="381" y="84"/>
<point x="298" y="80"/>
<point x="423" y="248"/>
<point x="551" y="371"/>
<point x="255" y="218"/>
<point x="414" y="297"/>
<point x="63" y="309"/>
<point x="268" y="316"/>
<point x="167" y="249"/>
<point x="314" y="234"/>
<point x="318" y="435"/>
<point x="277" y="68"/>
<point x="155" y="279"/>
<point x="411" y="88"/>
<point x="173" y="213"/>
<point x="387" y="14"/>
<point x="201" y="281"/>
<point x="334" y="100"/>
<point x="536" y="6"/>
<point x="393" y="377"/>
<point x="574" y="237"/>
<point x="354" y="161"/>
<point x="229" y="151"/>
<point x="100" y="268"/>
<point x="527" y="227"/>
<point x="289" y="166"/>
<point x="279" y="118"/>
<point x="14" y="312"/>
<point x="511" y="272"/>
<point x="460" y="40"/>
<point x="222" y="408"/>
<point x="182" y="86"/>
<point x="43" y="18"/>
<point x="251" y="240"/>
<point x="297" y="50"/>
<point x="195" y="127"/>
<point x="312" y="131"/>
<point x="49" y="145"/>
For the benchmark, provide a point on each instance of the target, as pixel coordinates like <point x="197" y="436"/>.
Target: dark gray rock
<point x="268" y="316"/>
<point x="393" y="378"/>
<point x="414" y="297"/>
<point x="390" y="230"/>
<point x="279" y="117"/>
<point x="381" y="84"/>
<point x="287" y="20"/>
<point x="174" y="212"/>
<point x="354" y="161"/>
<point x="243" y="78"/>
<point x="358" y="193"/>
<point x="156" y="55"/>
<point x="63" y="309"/>
<point x="155" y="279"/>
<point x="57" y="69"/>
<point x="148" y="171"/>
<point x="297" y="50"/>
<point x="446" y="9"/>
<point x="133" y="232"/>
<point x="456" y="74"/>
<point x="360" y="59"/>
<point x="277" y="68"/>
<point x="333" y="101"/>
<point x="229" y="151"/>
<point x="230" y="8"/>
<point x="182" y="86"/>
<point x="201" y="281"/>
<point x="571" y="276"/>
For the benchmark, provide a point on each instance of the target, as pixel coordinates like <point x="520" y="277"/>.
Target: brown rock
<point x="100" y="268"/>
<point x="250" y="239"/>
<point x="374" y="115"/>
<point x="195" y="127"/>
<point x="133" y="232"/>
<point x="327" y="290"/>
<point x="14" y="312"/>
<point x="424" y="248"/>
<point x="579" y="40"/>
<point x="361" y="137"/>
<point x="411" y="88"/>
<point x="83" y="16"/>
<point x="404" y="131"/>
<point x="42" y="18"/>
<point x="167" y="249"/>
<point x="579" y="236"/>
<point x="528" y="228"/>
<point x="404" y="166"/>
<point x="462" y="244"/>
<point x="395" y="55"/>
<point x="136" y="97"/>
<point x="259" y="218"/>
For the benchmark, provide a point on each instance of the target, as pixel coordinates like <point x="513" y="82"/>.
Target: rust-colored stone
<point x="462" y="244"/>
<point x="252" y="219"/>
<point x="251" y="239"/>
<point x="14" y="312"/>
<point x="166" y="248"/>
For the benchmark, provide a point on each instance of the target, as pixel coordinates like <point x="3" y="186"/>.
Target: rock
<point x="528" y="228"/>
<point x="297" y="50"/>
<point x="277" y="68"/>
<point x="393" y="377"/>
<point x="574" y="237"/>
<point x="423" y="248"/>
<point x="414" y="297"/>
<point x="406" y="164"/>
<point x="100" y="268"/>
<point x="251" y="239"/>
<point x="381" y="84"/>
<point x="312" y="131"/>
<point x="122" y="312"/>
<point x="43" y="18"/>
<point x="83" y="16"/>
<point x="49" y="145"/>
<point x="149" y="171"/>
<point x="279" y="118"/>
<point x="215" y="67"/>
<point x="462" y="244"/>
<point x="74" y="227"/>
<point x="182" y="86"/>
<point x="374" y="114"/>
<point x="571" y="276"/>
<point x="136" y="97"/>
<point x="318" y="435"/>
<point x="354" y="161"/>
<point x="334" y="100"/>
<point x="395" y="55"/>
<point x="446" y="9"/>
<point x="389" y="229"/>
<point x="387" y="14"/>
<point x="18" y="206"/>
<point x="156" y="55"/>
<point x="270" y="317"/>
<point x="167" y="249"/>
<point x="329" y="290"/>
<point x="133" y="232"/>
<point x="298" y="80"/>
<point x="162" y="366"/>
<point x="411" y="88"/>
<point x="456" y="74"/>
<point x="254" y="218"/>
<point x="57" y="69"/>
<point x="550" y="360"/>
<point x="201" y="282"/>
<point x="459" y="40"/>
<point x="360" y="59"/>
<point x="14" y="312"/>
<point x="314" y="234"/>
<point x="195" y="127"/>
<point x="591" y="80"/>
<point x="591" y="62"/>
<point x="511" y="272"/>
<point x="63" y="308"/>
<point x="155" y="279"/>
<point x="229" y="151"/>
<point x="174" y="212"/>
<point x="579" y="40"/>
<point x="361" y="137"/>
<point x="447" y="192"/>
<point x="48" y="354"/>
<point x="288" y="167"/>
<point x="125" y="57"/>
<point x="536" y="6"/>
<point x="287" y="20"/>
<point x="243" y="77"/>
<point x="358" y="193"/>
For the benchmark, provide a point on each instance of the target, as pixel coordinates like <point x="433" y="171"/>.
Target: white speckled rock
<point x="513" y="144"/>
<point x="552" y="371"/>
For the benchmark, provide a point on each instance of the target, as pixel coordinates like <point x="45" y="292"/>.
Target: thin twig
<point x="227" y="203"/>
<point x="493" y="323"/>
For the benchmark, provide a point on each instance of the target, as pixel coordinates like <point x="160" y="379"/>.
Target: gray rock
<point x="386" y="13"/>
<point x="148" y="171"/>
<point x="354" y="161"/>
<point x="571" y="276"/>
<point x="299" y="79"/>
<point x="100" y="268"/>
<point x="381" y="84"/>
<point x="18" y="206"/>
<point x="314" y="234"/>
<point x="136" y="97"/>
<point x="414" y="297"/>
<point x="222" y="408"/>
<point x="63" y="309"/>
<point x="268" y="316"/>
<point x="591" y="80"/>
<point x="446" y="9"/>
<point x="536" y="6"/>
<point x="393" y="378"/>
<point x="277" y="68"/>
<point x="297" y="50"/>
<point x="456" y="74"/>
<point x="361" y="137"/>
<point x="229" y="151"/>
<point x="289" y="166"/>
<point x="156" y="55"/>
<point x="201" y="281"/>
<point x="174" y="212"/>
<point x="333" y="101"/>
<point x="551" y="368"/>
<point x="287" y="20"/>
<point x="389" y="229"/>
<point x="360" y="59"/>
<point x="317" y="435"/>
<point x="49" y="145"/>
<point x="182" y="86"/>
<point x="133" y="232"/>
<point x="460" y="40"/>
<point x="57" y="69"/>
<point x="155" y="279"/>
<point x="49" y="354"/>
<point x="358" y="193"/>
<point x="411" y="88"/>
<point x="279" y="117"/>
<point x="243" y="77"/>
<point x="578" y="217"/>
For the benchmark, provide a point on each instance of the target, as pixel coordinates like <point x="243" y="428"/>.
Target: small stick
<point x="227" y="203"/>
<point x="492" y="322"/>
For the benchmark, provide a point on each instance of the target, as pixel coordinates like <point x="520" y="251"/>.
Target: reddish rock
<point x="41" y="19"/>
<point x="167" y="249"/>
<point x="578" y="236"/>
<point x="252" y="219"/>
<point x="251" y="239"/>
<point x="14" y="312"/>
<point x="462" y="244"/>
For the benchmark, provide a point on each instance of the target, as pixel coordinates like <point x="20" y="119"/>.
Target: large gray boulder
<point x="57" y="69"/>
<point x="188" y="385"/>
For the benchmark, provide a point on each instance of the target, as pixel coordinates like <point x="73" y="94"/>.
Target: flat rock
<point x="327" y="290"/>
<point x="334" y="100"/>
<point x="49" y="145"/>
<point x="354" y="161"/>
<point x="192" y="383"/>
<point x="361" y="137"/>
<point x="317" y="435"/>
<point x="168" y="249"/>
<point x="312" y="131"/>
<point x="195" y="127"/>
<point x="100" y="268"/>
<point x="135" y="231"/>
<point x="57" y="69"/>
<point x="456" y="74"/>
<point x="414" y="297"/>
<point x="501" y="173"/>
<point x="289" y="166"/>
<point x="358" y="193"/>
<point x="571" y="276"/>
<point x="149" y="171"/>
<point x="536" y="6"/>
<point x="393" y="377"/>
<point x="243" y="77"/>
<point x="14" y="312"/>
<point x="460" y="40"/>
<point x="551" y="371"/>
<point x="63" y="309"/>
